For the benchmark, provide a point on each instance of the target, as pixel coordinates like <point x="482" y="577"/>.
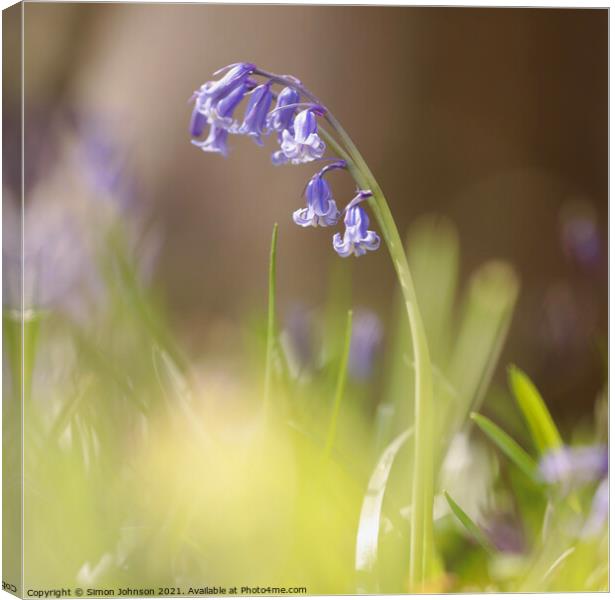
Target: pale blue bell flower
<point x="303" y="144"/>
<point x="357" y="238"/>
<point x="320" y="209"/>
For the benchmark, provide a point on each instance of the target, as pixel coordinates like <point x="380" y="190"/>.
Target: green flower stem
<point x="421" y="527"/>
<point x="422" y="554"/>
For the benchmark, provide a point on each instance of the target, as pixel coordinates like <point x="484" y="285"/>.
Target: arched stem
<point x="422" y="553"/>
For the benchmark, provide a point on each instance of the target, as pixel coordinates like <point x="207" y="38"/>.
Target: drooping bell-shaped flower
<point x="235" y="75"/>
<point x="303" y="144"/>
<point x="217" y="141"/>
<point x="198" y="122"/>
<point x="216" y="100"/>
<point x="255" y="119"/>
<point x="281" y="118"/>
<point x="221" y="115"/>
<point x="320" y="209"/>
<point x="357" y="238"/>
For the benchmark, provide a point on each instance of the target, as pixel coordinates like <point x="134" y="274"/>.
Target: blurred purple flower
<point x="581" y="240"/>
<point x="579" y="233"/>
<point x="56" y="260"/>
<point x="506" y="535"/>
<point x="65" y="234"/>
<point x="366" y="337"/>
<point x="599" y="512"/>
<point x="572" y="467"/>
<point x="298" y="340"/>
<point x="104" y="163"/>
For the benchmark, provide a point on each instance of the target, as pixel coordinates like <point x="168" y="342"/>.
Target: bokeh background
<point x="496" y="118"/>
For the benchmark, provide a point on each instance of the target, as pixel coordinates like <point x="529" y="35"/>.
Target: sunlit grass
<point x="142" y="469"/>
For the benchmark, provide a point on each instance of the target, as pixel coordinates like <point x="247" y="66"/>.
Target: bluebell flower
<point x="216" y="100"/>
<point x="217" y="141"/>
<point x="280" y="118"/>
<point x="255" y="119"/>
<point x="320" y="206"/>
<point x="198" y="122"/>
<point x="213" y="91"/>
<point x="357" y="238"/>
<point x="295" y="121"/>
<point x="573" y="467"/>
<point x="221" y="115"/>
<point x="366" y="337"/>
<point x="303" y="144"/>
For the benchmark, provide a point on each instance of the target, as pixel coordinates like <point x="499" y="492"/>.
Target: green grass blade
<point x="340" y="386"/>
<point x="544" y="432"/>
<point x="557" y="563"/>
<point x="270" y="348"/>
<point x="488" y="305"/>
<point x="432" y="248"/>
<point x="507" y="445"/>
<point x="470" y="526"/>
<point x="176" y="389"/>
<point x="368" y="532"/>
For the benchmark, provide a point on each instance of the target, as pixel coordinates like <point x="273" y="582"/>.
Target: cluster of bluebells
<point x="294" y="121"/>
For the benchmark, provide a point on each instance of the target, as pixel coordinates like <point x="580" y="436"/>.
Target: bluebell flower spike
<point x="294" y="119"/>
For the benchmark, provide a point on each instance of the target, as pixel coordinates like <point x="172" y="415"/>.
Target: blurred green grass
<point x="144" y="467"/>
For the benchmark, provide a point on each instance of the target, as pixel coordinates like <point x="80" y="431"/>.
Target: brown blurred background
<point x="494" y="117"/>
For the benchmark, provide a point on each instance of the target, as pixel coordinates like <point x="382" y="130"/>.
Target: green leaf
<point x="488" y="307"/>
<point x="432" y="248"/>
<point x="368" y="532"/>
<point x="507" y="445"/>
<point x="471" y="527"/>
<point x="544" y="432"/>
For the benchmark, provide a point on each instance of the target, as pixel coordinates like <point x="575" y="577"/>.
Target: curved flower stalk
<point x="304" y="128"/>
